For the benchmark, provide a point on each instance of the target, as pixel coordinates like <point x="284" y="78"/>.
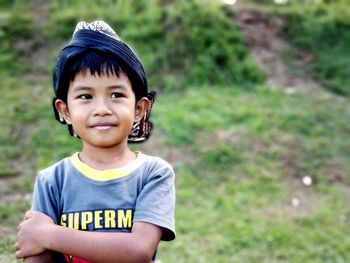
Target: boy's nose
<point x="102" y="108"/>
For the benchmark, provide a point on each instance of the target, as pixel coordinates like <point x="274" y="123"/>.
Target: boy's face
<point x="101" y="109"/>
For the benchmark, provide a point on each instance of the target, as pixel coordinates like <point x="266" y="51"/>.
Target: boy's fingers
<point x="19" y="254"/>
<point x="28" y="214"/>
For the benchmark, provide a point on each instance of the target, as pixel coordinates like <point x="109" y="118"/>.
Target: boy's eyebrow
<point x="118" y="86"/>
<point x="81" y="87"/>
<point x="87" y="88"/>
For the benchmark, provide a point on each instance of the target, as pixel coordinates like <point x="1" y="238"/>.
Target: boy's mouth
<point x="103" y="126"/>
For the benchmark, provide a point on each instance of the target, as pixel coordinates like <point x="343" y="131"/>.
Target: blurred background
<point x="253" y="112"/>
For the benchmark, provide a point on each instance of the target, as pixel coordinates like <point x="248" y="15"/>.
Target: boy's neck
<point x="106" y="158"/>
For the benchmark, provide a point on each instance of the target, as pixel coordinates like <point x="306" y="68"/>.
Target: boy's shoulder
<point x="52" y="171"/>
<point x="157" y="162"/>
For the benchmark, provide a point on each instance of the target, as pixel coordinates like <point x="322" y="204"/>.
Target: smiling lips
<point x="103" y="126"/>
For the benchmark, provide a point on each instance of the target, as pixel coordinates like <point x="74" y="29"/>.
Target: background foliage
<point x="183" y="42"/>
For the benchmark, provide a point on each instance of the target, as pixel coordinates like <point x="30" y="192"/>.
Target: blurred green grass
<point x="242" y="148"/>
<point x="234" y="195"/>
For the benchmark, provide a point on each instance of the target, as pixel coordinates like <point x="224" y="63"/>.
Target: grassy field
<point x="240" y="155"/>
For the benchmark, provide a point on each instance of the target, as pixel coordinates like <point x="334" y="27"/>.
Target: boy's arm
<point x="37" y="233"/>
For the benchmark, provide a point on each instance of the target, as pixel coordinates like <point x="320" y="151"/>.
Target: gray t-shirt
<point x="77" y="196"/>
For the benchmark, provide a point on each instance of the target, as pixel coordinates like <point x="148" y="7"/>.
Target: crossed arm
<point x="37" y="234"/>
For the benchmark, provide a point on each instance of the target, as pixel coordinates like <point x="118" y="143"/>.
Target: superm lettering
<point x="98" y="219"/>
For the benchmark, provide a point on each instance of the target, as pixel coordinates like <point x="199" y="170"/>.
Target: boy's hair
<point x="97" y="48"/>
<point x="97" y="63"/>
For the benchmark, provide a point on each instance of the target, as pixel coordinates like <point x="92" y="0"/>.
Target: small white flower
<point x="307" y="180"/>
<point x="295" y="202"/>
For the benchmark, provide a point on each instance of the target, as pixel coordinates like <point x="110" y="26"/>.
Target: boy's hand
<point x="46" y="257"/>
<point x="30" y="234"/>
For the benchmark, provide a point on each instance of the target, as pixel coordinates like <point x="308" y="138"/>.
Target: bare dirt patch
<point x="262" y="33"/>
<point x="301" y="200"/>
<point x="35" y="50"/>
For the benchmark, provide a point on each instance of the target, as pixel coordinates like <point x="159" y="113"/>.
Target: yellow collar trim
<point x="106" y="175"/>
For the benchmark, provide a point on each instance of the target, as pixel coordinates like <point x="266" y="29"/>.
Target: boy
<point x="105" y="203"/>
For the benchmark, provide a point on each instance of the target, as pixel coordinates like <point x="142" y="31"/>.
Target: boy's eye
<point x="116" y="95"/>
<point x="85" y="97"/>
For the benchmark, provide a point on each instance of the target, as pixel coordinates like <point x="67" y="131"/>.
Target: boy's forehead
<point x="87" y="78"/>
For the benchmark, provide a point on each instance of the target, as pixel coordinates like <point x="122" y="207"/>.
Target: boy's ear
<point x="141" y="108"/>
<point x="62" y="109"/>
